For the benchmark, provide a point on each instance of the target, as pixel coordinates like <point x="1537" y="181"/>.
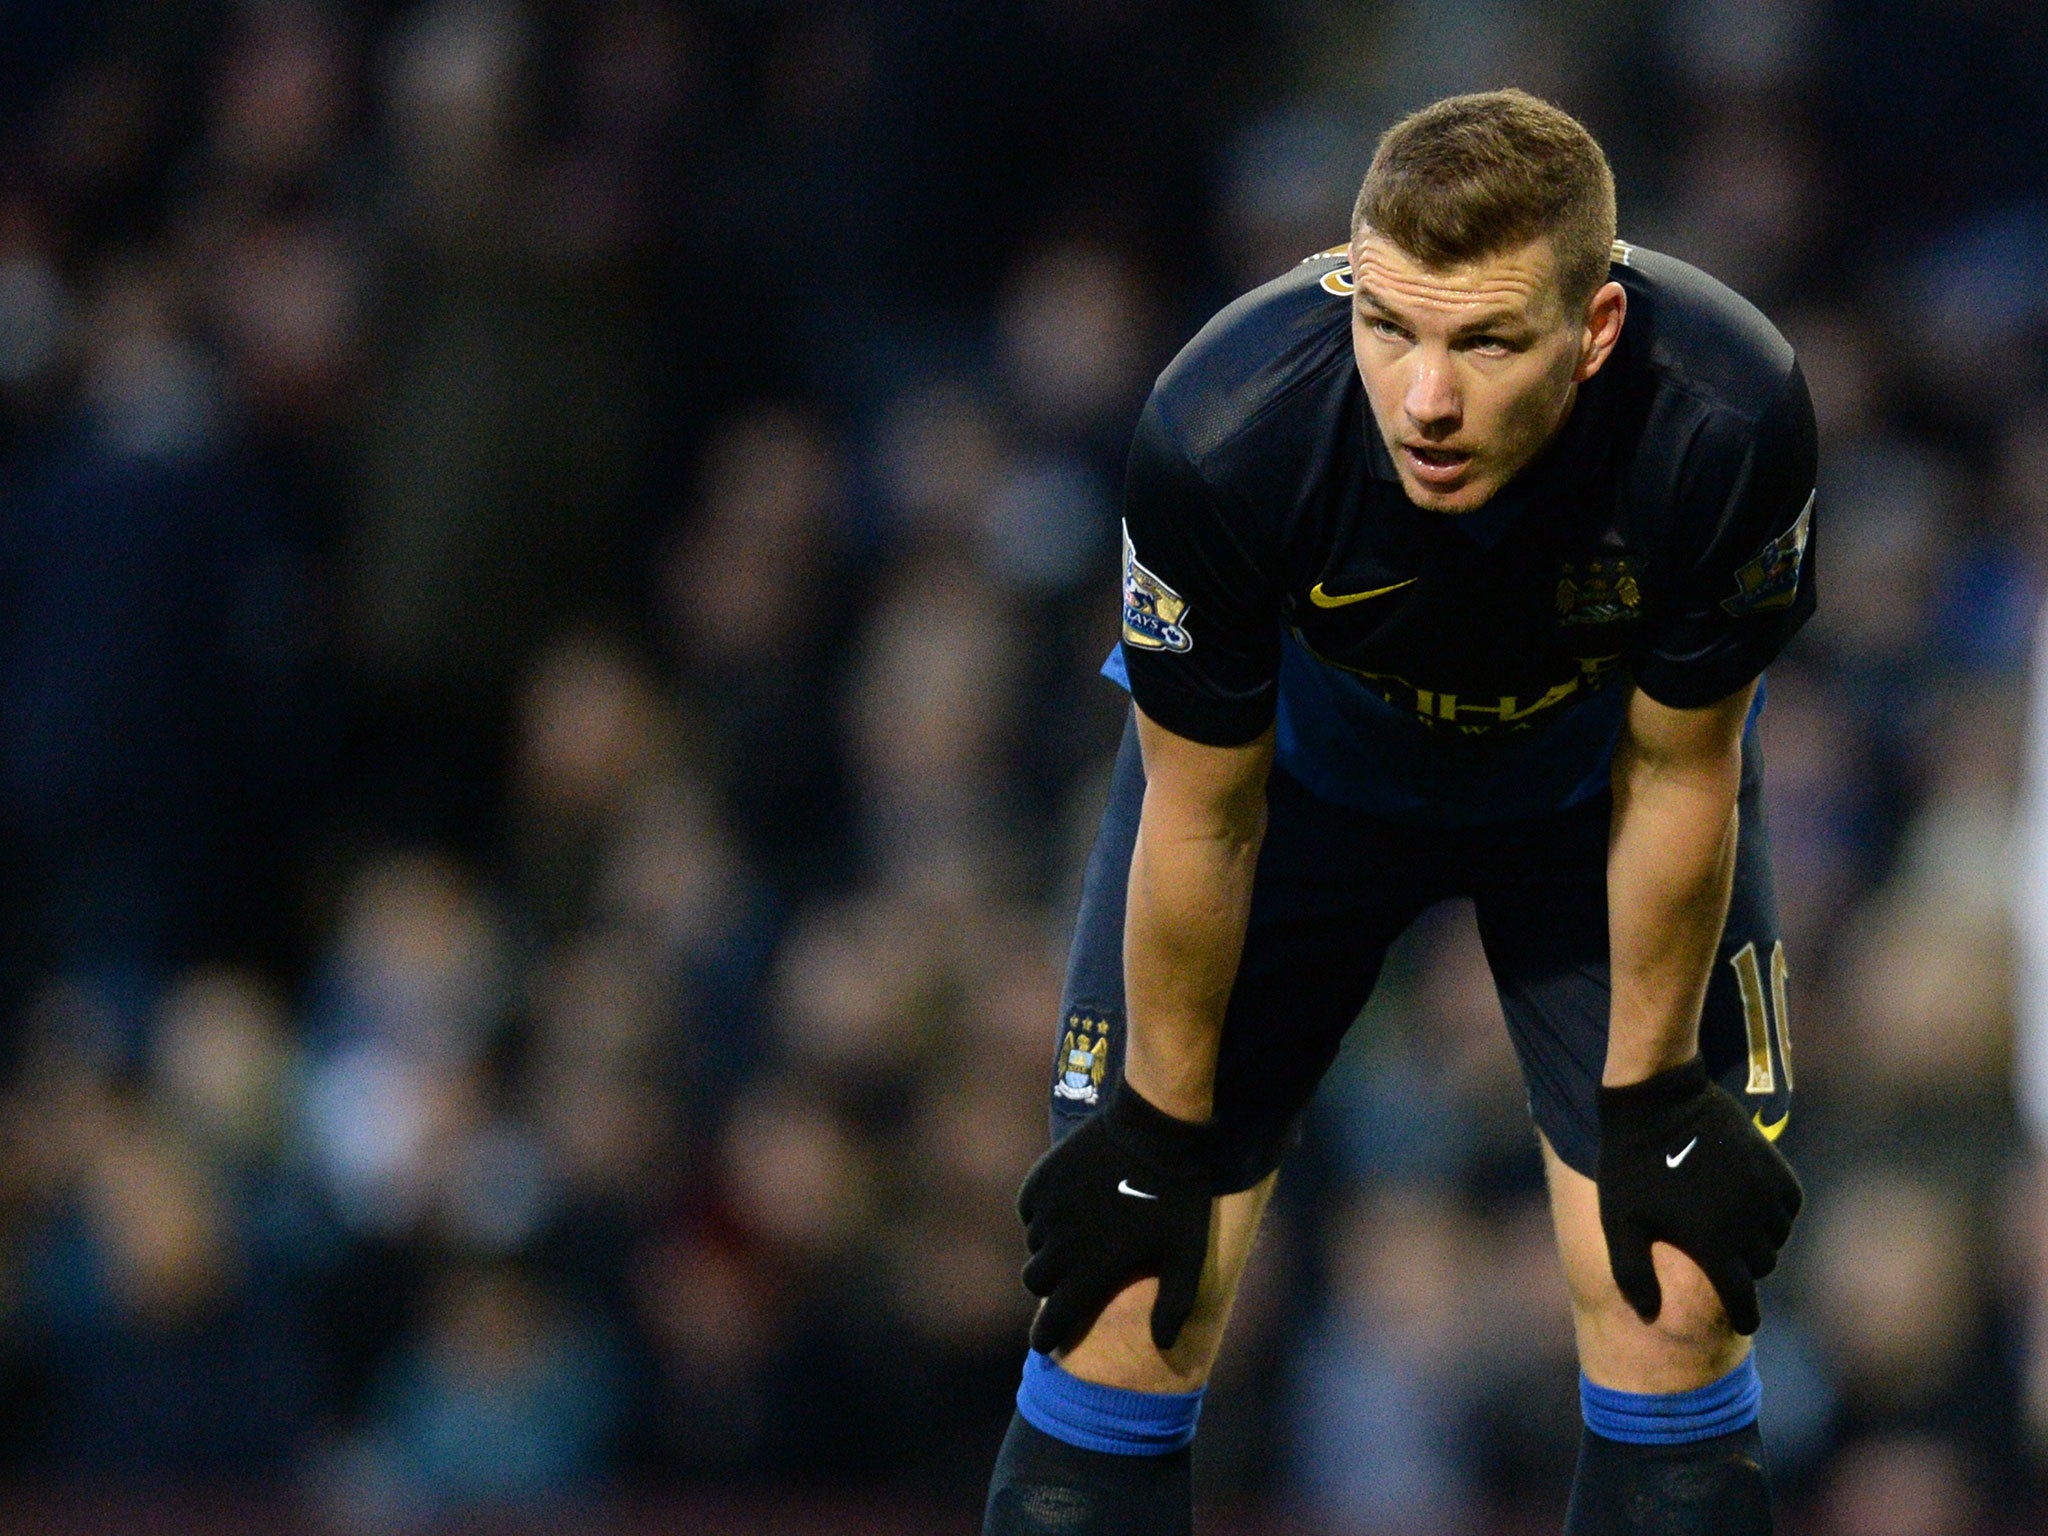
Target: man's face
<point x="1471" y="369"/>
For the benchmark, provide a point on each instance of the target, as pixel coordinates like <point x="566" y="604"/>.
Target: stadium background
<point x="552" y="561"/>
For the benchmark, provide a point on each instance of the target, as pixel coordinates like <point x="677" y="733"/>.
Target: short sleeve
<point x="1201" y="618"/>
<point x="1724" y="615"/>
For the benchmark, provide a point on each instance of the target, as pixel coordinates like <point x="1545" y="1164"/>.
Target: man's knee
<point x="1688" y="1343"/>
<point x="1118" y="1350"/>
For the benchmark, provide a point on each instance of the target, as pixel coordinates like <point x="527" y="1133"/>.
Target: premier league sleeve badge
<point x="1155" y="616"/>
<point x="1770" y="578"/>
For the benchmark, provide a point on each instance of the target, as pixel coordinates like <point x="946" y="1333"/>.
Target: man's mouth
<point x="1436" y="466"/>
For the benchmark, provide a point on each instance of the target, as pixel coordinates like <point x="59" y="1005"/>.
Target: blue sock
<point x="1673" y="1418"/>
<point x="1087" y="1460"/>
<point x="1691" y="1462"/>
<point x="1099" y="1418"/>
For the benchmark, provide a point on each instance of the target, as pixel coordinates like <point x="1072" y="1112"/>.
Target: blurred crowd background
<point x="553" y="559"/>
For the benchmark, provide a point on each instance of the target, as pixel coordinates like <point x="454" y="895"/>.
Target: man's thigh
<point x="1541" y="899"/>
<point x="1333" y="890"/>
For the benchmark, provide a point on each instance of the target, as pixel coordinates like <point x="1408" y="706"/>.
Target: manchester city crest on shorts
<point x="1084" y="1057"/>
<point x="1155" y="616"/>
<point x="1770" y="578"/>
<point x="1599" y="592"/>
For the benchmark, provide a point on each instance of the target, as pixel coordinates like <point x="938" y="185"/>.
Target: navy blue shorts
<point x="1335" y="887"/>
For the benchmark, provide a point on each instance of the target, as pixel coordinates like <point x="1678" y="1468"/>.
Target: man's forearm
<point x="1189" y="899"/>
<point x="1671" y="861"/>
<point x="1190" y="896"/>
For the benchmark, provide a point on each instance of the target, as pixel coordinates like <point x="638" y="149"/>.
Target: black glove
<point x="1125" y="1194"/>
<point x="1681" y="1163"/>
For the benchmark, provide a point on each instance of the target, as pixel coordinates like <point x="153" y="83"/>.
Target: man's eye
<point x="1386" y="330"/>
<point x="1491" y="346"/>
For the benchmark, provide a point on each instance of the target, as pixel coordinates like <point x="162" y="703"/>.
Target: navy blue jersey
<point x="1462" y="669"/>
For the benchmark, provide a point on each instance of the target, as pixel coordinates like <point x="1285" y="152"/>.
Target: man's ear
<point x="1605" y="312"/>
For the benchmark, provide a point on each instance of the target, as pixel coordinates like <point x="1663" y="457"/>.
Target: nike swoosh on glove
<point x="1123" y="1195"/>
<point x="1681" y="1163"/>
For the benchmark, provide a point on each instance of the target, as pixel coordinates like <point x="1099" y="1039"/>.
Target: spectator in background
<point x="2029" y="1224"/>
<point x="930" y="712"/>
<point x="755" y="594"/>
<point x="496" y="466"/>
<point x="167" y="1254"/>
<point x="502" y="1402"/>
<point x="1385" y="1385"/>
<point x="148" y="672"/>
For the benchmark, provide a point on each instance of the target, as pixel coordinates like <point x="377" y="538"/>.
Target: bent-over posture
<point x="1451" y="563"/>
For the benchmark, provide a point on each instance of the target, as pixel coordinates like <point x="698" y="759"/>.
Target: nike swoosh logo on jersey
<point x="1123" y="1187"/>
<point x="1323" y="599"/>
<point x="1681" y="1154"/>
<point x="1774" y="1130"/>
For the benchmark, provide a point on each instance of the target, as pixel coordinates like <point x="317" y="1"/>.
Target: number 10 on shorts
<point x="1758" y="1015"/>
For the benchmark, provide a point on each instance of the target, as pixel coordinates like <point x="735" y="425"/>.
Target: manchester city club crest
<point x="1155" y="616"/>
<point x="1598" y="592"/>
<point x="1770" y="578"/>
<point x="1084" y="1057"/>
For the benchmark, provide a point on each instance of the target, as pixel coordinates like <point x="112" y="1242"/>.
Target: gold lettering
<point x="1508" y="711"/>
<point x="1779" y="972"/>
<point x="1556" y="695"/>
<point x="1453" y="710"/>
<point x="1758" y="1023"/>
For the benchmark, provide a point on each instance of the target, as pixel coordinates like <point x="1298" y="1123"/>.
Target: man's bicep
<point x="1225" y="786"/>
<point x="1664" y="734"/>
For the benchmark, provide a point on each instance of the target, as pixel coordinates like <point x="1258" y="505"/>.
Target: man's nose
<point x="1432" y="398"/>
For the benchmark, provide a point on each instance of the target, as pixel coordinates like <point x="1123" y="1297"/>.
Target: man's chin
<point x="1468" y="495"/>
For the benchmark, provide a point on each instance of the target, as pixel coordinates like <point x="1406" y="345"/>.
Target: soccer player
<point x="1451" y="562"/>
